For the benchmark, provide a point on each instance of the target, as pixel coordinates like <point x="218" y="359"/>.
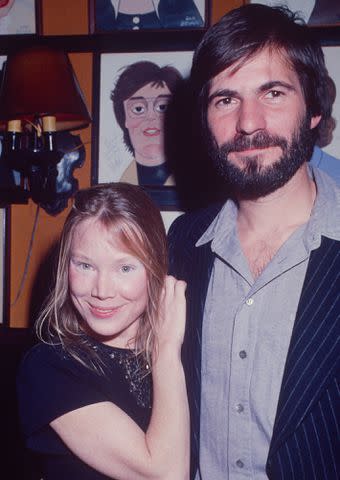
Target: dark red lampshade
<point x="40" y="81"/>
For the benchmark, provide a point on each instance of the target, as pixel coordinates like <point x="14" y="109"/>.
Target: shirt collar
<point x="324" y="219"/>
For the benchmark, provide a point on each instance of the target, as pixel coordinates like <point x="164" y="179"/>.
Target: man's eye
<point x="225" y="102"/>
<point x="275" y="94"/>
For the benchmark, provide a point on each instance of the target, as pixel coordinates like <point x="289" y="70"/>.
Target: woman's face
<point x="108" y="285"/>
<point x="144" y="119"/>
<point x="5" y="6"/>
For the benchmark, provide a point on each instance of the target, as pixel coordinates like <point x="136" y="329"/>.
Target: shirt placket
<point x="242" y="349"/>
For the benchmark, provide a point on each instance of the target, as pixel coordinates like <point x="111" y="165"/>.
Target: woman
<point x="113" y="316"/>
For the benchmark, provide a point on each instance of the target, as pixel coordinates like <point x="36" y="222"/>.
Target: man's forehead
<point x="268" y="61"/>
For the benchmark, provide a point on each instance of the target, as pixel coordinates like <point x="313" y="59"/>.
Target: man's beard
<point x="255" y="180"/>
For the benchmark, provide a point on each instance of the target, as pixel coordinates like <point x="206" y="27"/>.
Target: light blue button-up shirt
<point x="246" y="332"/>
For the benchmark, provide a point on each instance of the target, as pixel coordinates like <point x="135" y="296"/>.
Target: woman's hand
<point x="171" y="326"/>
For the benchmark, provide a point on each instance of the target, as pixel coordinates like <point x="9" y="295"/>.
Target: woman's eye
<point x="127" y="268"/>
<point x="85" y="266"/>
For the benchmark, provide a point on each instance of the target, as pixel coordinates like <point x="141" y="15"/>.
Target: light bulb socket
<point x="14" y="126"/>
<point x="49" y="124"/>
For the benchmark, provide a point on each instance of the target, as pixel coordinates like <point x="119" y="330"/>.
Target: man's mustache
<point x="259" y="140"/>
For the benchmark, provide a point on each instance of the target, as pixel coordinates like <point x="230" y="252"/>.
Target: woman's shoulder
<point x="49" y="360"/>
<point x="44" y="352"/>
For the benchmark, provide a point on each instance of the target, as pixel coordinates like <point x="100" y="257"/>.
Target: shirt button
<point x="239" y="408"/>
<point x="243" y="354"/>
<point x="239" y="463"/>
<point x="249" y="301"/>
<point x="136" y="20"/>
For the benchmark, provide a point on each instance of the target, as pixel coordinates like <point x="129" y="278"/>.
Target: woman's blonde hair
<point x="136" y="224"/>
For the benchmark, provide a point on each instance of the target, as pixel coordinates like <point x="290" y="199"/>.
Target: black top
<point x="51" y="383"/>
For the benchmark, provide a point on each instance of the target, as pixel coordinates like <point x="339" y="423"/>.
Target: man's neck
<point x="288" y="206"/>
<point x="266" y="223"/>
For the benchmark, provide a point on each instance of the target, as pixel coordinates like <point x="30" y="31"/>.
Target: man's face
<point x="261" y="133"/>
<point x="144" y="119"/>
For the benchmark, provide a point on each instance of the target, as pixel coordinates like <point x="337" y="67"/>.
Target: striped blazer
<point x="305" y="441"/>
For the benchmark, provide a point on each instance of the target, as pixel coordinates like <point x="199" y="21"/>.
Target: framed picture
<point x="18" y="17"/>
<point x="2" y="263"/>
<point x="4" y="267"/>
<point x="332" y="140"/>
<point x="314" y="12"/>
<point x="111" y="15"/>
<point x="135" y="90"/>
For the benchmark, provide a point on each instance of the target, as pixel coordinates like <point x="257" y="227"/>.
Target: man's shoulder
<point x="189" y="227"/>
<point x="326" y="211"/>
<point x="327" y="163"/>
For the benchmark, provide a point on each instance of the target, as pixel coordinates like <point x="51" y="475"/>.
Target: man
<point x="262" y="270"/>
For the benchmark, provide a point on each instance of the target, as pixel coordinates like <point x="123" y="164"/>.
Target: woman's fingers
<point x="172" y="321"/>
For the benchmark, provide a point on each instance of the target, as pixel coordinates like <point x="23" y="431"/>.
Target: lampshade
<point x="40" y="81"/>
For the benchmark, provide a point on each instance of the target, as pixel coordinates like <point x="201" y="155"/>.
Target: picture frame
<point x="105" y="17"/>
<point x="316" y="13"/>
<point x="20" y="17"/>
<point x="128" y="143"/>
<point x="4" y="265"/>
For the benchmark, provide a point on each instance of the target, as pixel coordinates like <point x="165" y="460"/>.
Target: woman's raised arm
<point x="107" y="439"/>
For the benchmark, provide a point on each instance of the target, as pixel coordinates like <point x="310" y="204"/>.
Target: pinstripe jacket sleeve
<point x="305" y="441"/>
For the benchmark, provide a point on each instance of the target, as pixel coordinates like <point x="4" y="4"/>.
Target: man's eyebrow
<point x="276" y="83"/>
<point x="225" y="92"/>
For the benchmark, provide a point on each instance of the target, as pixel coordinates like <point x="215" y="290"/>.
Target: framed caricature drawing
<point x="18" y="17"/>
<point x="111" y="15"/>
<point x="135" y="90"/>
<point x="316" y="13"/>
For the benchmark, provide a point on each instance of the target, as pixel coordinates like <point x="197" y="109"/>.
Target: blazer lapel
<point x="313" y="353"/>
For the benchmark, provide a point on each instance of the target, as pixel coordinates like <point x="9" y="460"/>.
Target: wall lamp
<point x="40" y="102"/>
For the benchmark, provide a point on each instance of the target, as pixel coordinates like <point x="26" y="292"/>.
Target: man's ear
<point x="314" y="122"/>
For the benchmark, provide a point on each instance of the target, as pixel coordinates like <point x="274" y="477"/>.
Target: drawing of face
<point x="5" y="6"/>
<point x="108" y="285"/>
<point x="144" y="119"/>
